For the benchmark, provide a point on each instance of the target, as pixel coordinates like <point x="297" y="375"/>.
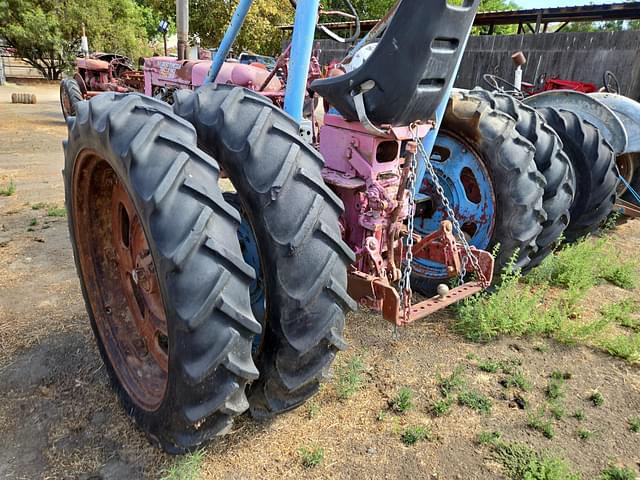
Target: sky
<point x="560" y="3"/>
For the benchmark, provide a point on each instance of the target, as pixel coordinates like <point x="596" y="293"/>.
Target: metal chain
<point x="451" y="214"/>
<point x="405" y="282"/>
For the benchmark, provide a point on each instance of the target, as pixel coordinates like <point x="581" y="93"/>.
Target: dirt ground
<point x="59" y="419"/>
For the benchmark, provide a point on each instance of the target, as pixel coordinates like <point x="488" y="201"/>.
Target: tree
<point x="46" y="33"/>
<point x="210" y="18"/>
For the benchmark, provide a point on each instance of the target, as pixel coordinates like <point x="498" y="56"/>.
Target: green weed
<point x="634" y="424"/>
<point x="559" y="375"/>
<point x="554" y="390"/>
<point x="537" y="422"/>
<point x="453" y="382"/>
<point x="621" y="313"/>
<point x="186" y="467"/>
<point x="517" y="380"/>
<point x="618" y="473"/>
<point x="489" y="437"/>
<point x="557" y="411"/>
<point x="38" y="206"/>
<point x="403" y="401"/>
<point x="8" y="189"/>
<point x="489" y="366"/>
<point x="441" y="407"/>
<point x="579" y="415"/>
<point x="311" y="456"/>
<point x="584" y="434"/>
<point x="415" y="434"/>
<point x="350" y="378"/>
<point x="597" y="399"/>
<point x="522" y="463"/>
<point x="626" y="347"/>
<point x="475" y="401"/>
<point x="33" y="222"/>
<point x="382" y="414"/>
<point x="54" y="211"/>
<point x="313" y="408"/>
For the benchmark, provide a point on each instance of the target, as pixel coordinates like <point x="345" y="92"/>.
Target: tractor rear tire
<point x="595" y="169"/>
<point x="294" y="217"/>
<point x="551" y="161"/>
<point x="70" y="96"/>
<point x="133" y="144"/>
<point x="517" y="185"/>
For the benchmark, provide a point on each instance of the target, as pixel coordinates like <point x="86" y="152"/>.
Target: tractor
<point x="207" y="303"/>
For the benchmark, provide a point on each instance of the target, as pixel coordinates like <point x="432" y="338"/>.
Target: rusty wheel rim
<point x="120" y="280"/>
<point x="66" y="102"/>
<point x="626" y="166"/>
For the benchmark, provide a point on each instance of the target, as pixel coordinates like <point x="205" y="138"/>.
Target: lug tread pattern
<point x="278" y="181"/>
<point x="595" y="169"/>
<point x="153" y="152"/>
<point x="552" y="162"/>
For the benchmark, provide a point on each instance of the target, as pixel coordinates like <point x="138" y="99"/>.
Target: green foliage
<point x="618" y="473"/>
<point x="579" y="414"/>
<point x="510" y="310"/>
<point x="489" y="366"/>
<point x="453" y="382"/>
<point x="537" y="422"/>
<point x="583" y="265"/>
<point x="475" y="401"/>
<point x="8" y="190"/>
<point x="186" y="467"/>
<point x="33" y="222"/>
<point x="634" y="424"/>
<point x="584" y="434"/>
<point x="415" y="434"/>
<point x="210" y="18"/>
<point x="54" y="211"/>
<point x="623" y="346"/>
<point x="597" y="399"/>
<point x="38" y="206"/>
<point x="46" y="33"/>
<point x="522" y="463"/>
<point x="311" y="456"/>
<point x="622" y="313"/>
<point x="556" y="410"/>
<point x="403" y="401"/>
<point x="517" y="380"/>
<point x="441" y="407"/>
<point x="554" y="389"/>
<point x="350" y="378"/>
<point x="491" y="438"/>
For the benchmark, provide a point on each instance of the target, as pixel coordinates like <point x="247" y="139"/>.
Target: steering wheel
<point x="499" y="84"/>
<point x="351" y="16"/>
<point x="610" y="82"/>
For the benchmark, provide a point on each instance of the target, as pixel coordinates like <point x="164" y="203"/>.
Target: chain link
<point x="450" y="213"/>
<point x="405" y="282"/>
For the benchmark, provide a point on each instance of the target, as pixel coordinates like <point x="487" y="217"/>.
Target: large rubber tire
<point x="295" y="219"/>
<point x="551" y="161"/>
<point x="191" y="232"/>
<point x="70" y="89"/>
<point x="595" y="169"/>
<point x="517" y="185"/>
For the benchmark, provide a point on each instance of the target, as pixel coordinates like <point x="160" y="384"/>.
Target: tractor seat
<point x="406" y="76"/>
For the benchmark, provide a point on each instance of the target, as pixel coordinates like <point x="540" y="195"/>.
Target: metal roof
<point x="539" y="16"/>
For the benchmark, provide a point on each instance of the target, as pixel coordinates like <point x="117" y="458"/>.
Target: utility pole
<point x="182" y="25"/>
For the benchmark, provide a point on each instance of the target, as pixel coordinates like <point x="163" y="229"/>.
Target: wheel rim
<point x="626" y="167"/>
<point x="66" y="102"/>
<point x="120" y="279"/>
<point x="250" y="253"/>
<point x="468" y="186"/>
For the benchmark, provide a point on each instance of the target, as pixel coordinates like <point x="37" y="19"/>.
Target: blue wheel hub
<point x="468" y="186"/>
<point x="249" y="247"/>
